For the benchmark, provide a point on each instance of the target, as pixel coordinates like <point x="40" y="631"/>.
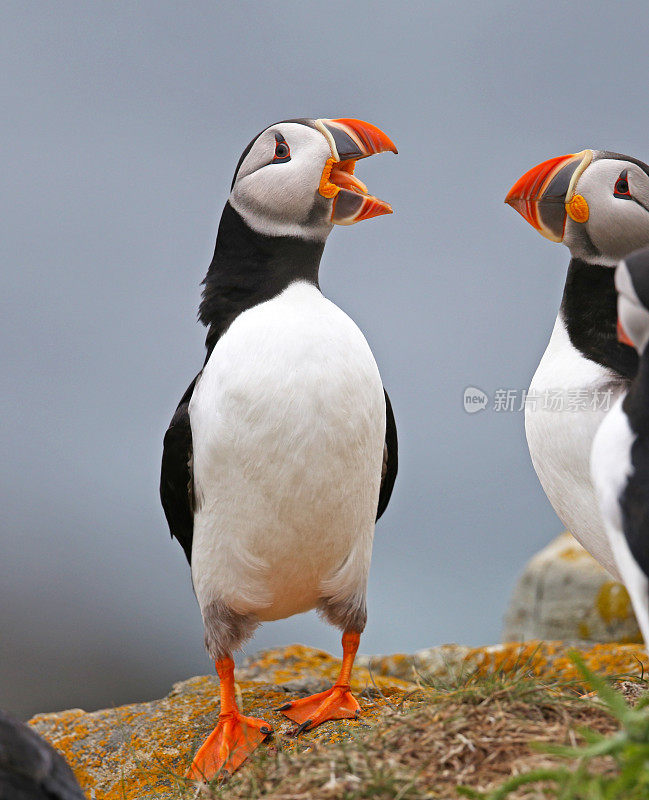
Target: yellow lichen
<point x="150" y="745"/>
<point x="571" y="554"/>
<point x="612" y="602"/>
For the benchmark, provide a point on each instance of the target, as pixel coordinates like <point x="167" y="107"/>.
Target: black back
<point x="634" y="501"/>
<point x="589" y="310"/>
<point x="248" y="268"/>
<point x="30" y="768"/>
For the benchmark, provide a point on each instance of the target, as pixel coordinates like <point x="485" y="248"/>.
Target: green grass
<point x="605" y="767"/>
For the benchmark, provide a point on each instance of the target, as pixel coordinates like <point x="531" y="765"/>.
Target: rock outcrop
<point x="142" y="751"/>
<point x="565" y="594"/>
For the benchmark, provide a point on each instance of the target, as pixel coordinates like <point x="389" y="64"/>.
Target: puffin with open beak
<point x="597" y="204"/>
<point x="282" y="453"/>
<point x="620" y="455"/>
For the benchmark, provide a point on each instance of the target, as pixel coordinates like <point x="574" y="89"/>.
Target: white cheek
<point x="617" y="227"/>
<point x="635" y="320"/>
<point x="280" y="199"/>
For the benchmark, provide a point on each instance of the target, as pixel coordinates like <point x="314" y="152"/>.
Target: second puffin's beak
<point x="622" y="335"/>
<point x="545" y="195"/>
<point x="351" y="140"/>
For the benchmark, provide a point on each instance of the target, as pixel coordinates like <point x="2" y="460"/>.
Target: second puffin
<point x="283" y="450"/>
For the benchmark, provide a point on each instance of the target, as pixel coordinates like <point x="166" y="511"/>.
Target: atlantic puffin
<point x="596" y="203"/>
<point x="282" y="453"/>
<point x="30" y="768"/>
<point x="620" y="455"/>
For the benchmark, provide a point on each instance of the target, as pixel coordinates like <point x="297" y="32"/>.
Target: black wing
<point x="176" y="476"/>
<point x="30" y="768"/>
<point x="634" y="500"/>
<point x="390" y="458"/>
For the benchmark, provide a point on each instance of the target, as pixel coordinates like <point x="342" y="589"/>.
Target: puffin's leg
<point x="337" y="702"/>
<point x="234" y="738"/>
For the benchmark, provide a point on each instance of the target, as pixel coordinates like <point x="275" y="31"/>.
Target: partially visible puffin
<point x="620" y="457"/>
<point x="282" y="453"/>
<point x="30" y="768"/>
<point x="596" y="203"/>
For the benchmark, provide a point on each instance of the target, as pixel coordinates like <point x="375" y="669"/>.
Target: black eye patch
<point x="621" y="189"/>
<point x="282" y="150"/>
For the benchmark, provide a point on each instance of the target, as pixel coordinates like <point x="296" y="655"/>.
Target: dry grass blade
<point x="472" y="730"/>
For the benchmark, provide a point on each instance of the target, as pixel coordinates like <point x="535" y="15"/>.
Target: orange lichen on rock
<point x="298" y="663"/>
<point x="142" y="751"/>
<point x="551" y="660"/>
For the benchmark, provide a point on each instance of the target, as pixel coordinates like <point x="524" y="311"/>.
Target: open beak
<point x="545" y="195"/>
<point x="351" y="140"/>
<point x="622" y="335"/>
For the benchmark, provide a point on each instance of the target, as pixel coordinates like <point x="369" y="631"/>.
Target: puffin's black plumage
<point x="589" y="309"/>
<point x="620" y="454"/>
<point x="637" y="266"/>
<point x="30" y="768"/>
<point x="247" y="268"/>
<point x="634" y="500"/>
<point x="390" y="458"/>
<point x="176" y="481"/>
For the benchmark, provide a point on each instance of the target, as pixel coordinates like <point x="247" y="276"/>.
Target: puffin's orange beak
<point x="545" y="194"/>
<point x="622" y="336"/>
<point x="351" y="140"/>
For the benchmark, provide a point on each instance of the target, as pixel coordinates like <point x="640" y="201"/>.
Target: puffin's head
<point x="595" y="202"/>
<point x="632" y="284"/>
<point x="297" y="177"/>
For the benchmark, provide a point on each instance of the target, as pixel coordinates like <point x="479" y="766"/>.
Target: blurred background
<point x="122" y="125"/>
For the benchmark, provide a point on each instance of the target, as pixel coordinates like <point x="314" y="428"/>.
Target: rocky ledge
<point x="142" y="751"/>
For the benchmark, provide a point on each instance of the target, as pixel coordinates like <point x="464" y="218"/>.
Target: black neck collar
<point x="249" y="268"/>
<point x="589" y="310"/>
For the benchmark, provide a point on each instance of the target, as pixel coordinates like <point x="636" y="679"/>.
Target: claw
<point x="336" y="703"/>
<point x="303" y="727"/>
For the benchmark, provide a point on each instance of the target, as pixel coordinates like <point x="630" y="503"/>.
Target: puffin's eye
<point x="621" y="189"/>
<point x="282" y="150"/>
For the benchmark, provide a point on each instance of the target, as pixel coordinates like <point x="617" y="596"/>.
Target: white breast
<point x="560" y="438"/>
<point x="611" y="468"/>
<point x="288" y="426"/>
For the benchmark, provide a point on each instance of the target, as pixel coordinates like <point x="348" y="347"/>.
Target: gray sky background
<point x="122" y="125"/>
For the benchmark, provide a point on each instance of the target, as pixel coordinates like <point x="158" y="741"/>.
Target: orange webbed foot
<point x="336" y="703"/>
<point x="228" y="746"/>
